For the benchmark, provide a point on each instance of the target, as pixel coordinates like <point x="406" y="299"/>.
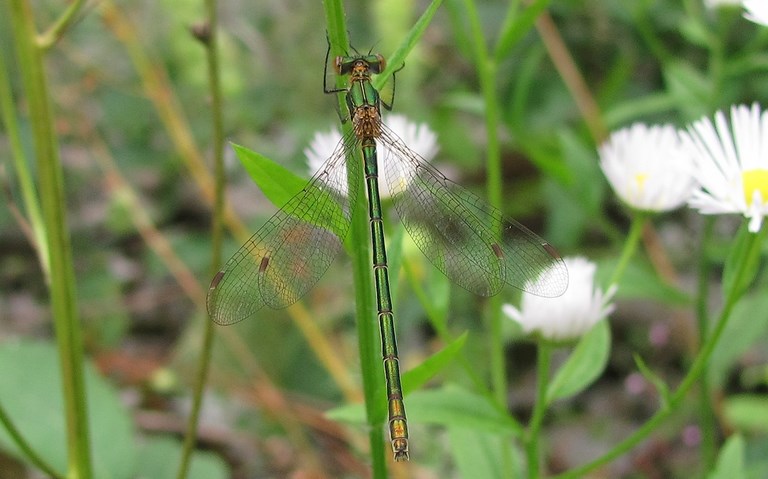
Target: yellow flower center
<point x="755" y="180"/>
<point x="640" y="179"/>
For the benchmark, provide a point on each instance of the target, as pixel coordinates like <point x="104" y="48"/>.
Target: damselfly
<point x="465" y="238"/>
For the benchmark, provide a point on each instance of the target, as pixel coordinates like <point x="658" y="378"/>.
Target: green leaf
<point x="454" y="406"/>
<point x="747" y="412"/>
<point x="415" y="378"/>
<point x="409" y="42"/>
<point x="744" y="252"/>
<point x="412" y="380"/>
<point x="478" y="453"/>
<point x="348" y="413"/>
<point x="448" y="406"/>
<point x="160" y="460"/>
<point x="730" y="462"/>
<point x="278" y="183"/>
<point x="639" y="281"/>
<point x="585" y="364"/>
<point x="31" y="393"/>
<point x="689" y="87"/>
<point x="747" y="326"/>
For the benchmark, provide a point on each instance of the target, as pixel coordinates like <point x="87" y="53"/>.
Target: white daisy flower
<point x="731" y="164"/>
<point x="418" y="136"/>
<point x="756" y="11"/>
<point x="568" y="316"/>
<point x="648" y="167"/>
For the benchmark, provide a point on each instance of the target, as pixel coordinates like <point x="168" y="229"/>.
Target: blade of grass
<point x="395" y="61"/>
<point x="21" y="165"/>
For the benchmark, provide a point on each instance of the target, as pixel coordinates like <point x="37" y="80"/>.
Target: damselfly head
<point x="360" y="65"/>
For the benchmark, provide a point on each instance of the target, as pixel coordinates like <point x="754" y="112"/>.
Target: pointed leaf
<point x="730" y="462"/>
<point x="278" y="183"/>
<point x="584" y="366"/>
<point x="477" y="453"/>
<point x="743" y="253"/>
<point x="418" y="376"/>
<point x="30" y="391"/>
<point x="747" y="412"/>
<point x="746" y="328"/>
<point x="456" y="407"/>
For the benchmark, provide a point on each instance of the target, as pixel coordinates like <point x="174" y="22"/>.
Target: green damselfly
<point x="465" y="238"/>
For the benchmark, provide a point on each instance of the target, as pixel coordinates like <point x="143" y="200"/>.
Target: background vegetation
<point x="131" y="103"/>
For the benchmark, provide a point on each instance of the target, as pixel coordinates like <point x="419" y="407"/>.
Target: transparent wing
<point x="293" y="249"/>
<point x="468" y="240"/>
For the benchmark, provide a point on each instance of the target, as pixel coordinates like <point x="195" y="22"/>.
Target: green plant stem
<point x="359" y="250"/>
<point x="516" y="25"/>
<point x="21" y="165"/>
<point x="486" y="71"/>
<point x="751" y="253"/>
<point x="60" y="26"/>
<point x="62" y="285"/>
<point x="630" y="246"/>
<point x="24" y="446"/>
<point x="208" y="36"/>
<point x="706" y="411"/>
<point x="543" y="359"/>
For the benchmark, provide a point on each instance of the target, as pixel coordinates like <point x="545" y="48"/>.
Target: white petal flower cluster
<point x="717" y="167"/>
<point x="418" y="136"/>
<point x="731" y="164"/>
<point x="648" y="167"/>
<point x="570" y="315"/>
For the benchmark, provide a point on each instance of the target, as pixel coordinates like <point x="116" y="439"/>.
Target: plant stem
<point x="359" y="241"/>
<point x="62" y="279"/>
<point x="630" y="246"/>
<point x="486" y="72"/>
<point x="751" y="253"/>
<point x="60" y="26"/>
<point x="706" y="412"/>
<point x="543" y="358"/>
<point x="21" y="165"/>
<point x="574" y="81"/>
<point x="208" y="36"/>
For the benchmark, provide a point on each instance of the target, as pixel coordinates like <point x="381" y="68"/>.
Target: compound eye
<point x="343" y="65"/>
<point x="380" y="65"/>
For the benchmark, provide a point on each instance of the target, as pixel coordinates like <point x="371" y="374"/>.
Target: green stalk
<point x="360" y="255"/>
<point x="543" y="358"/>
<point x="751" y="253"/>
<point x="486" y="72"/>
<point x="706" y="410"/>
<point x="26" y="182"/>
<point x="207" y="34"/>
<point x="630" y="246"/>
<point x="62" y="285"/>
<point x="60" y="26"/>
